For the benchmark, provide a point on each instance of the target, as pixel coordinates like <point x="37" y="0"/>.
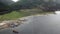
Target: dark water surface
<point x="38" y="25"/>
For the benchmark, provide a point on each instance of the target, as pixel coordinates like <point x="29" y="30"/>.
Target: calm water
<point x="38" y="25"/>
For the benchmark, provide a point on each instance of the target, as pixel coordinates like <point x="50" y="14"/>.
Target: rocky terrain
<point x="12" y="23"/>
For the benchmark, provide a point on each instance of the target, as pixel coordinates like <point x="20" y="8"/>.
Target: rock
<point x="12" y="23"/>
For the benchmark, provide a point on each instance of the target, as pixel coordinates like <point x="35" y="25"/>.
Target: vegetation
<point x="21" y="13"/>
<point x="3" y="7"/>
<point x="29" y="4"/>
<point x="26" y="8"/>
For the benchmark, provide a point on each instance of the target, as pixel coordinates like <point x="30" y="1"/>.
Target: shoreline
<point x="20" y="20"/>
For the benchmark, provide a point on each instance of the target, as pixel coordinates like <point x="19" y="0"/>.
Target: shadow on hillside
<point x="4" y="12"/>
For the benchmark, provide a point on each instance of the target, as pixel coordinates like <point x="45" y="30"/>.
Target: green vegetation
<point x="25" y="8"/>
<point x="12" y="15"/>
<point x="3" y="7"/>
<point x="21" y="13"/>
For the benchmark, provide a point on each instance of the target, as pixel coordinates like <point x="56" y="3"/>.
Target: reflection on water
<point x="57" y="12"/>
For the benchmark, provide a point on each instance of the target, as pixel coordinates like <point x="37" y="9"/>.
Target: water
<point x="57" y="12"/>
<point x="38" y="25"/>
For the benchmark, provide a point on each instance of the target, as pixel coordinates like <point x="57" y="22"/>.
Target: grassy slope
<point x="19" y="14"/>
